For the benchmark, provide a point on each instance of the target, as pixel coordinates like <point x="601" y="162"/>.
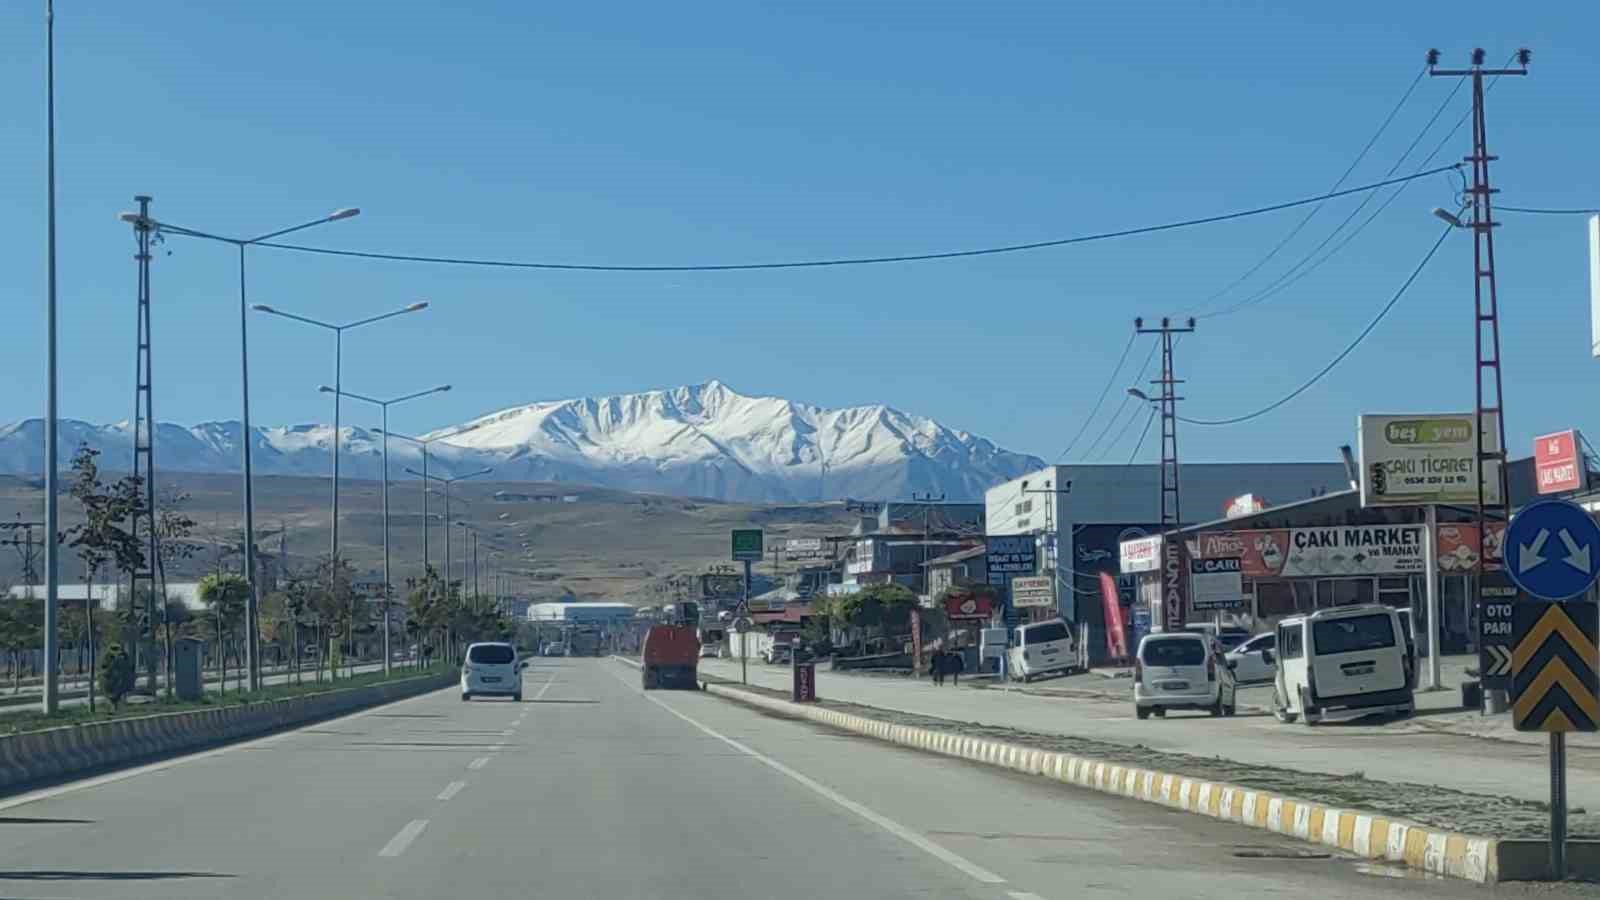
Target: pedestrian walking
<point x="936" y="666"/>
<point x="957" y="663"/>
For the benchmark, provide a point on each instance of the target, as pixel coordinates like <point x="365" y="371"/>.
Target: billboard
<point x="1216" y="583"/>
<point x="1427" y="458"/>
<point x="1317" y="552"/>
<point x="968" y="605"/>
<point x="747" y="545"/>
<point x="1558" y="464"/>
<point x="1459" y="546"/>
<point x="1008" y="555"/>
<point x="805" y="550"/>
<point x="1141" y="554"/>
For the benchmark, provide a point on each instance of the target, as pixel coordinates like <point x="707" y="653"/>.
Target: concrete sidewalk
<point x="1410" y="751"/>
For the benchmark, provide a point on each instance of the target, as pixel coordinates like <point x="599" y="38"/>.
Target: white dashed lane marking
<point x="478" y="763"/>
<point x="398" y="844"/>
<point x="451" y="789"/>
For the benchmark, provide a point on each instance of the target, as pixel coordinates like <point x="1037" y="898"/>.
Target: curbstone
<point x="1437" y="851"/>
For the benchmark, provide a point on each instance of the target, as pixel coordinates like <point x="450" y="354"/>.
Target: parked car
<point x="1226" y="636"/>
<point x="1347" y="658"/>
<point x="1040" y="648"/>
<point x="710" y="650"/>
<point x="555" y="648"/>
<point x="491" y="668"/>
<point x="1181" y="670"/>
<point x="1249" y="659"/>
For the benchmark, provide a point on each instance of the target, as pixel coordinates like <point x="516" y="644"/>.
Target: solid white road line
<point x="911" y="837"/>
<point x="1023" y="895"/>
<point x="398" y="844"/>
<point x="508" y="732"/>
<point x="156" y="767"/>
<point x="450" y="790"/>
<point x="478" y="763"/>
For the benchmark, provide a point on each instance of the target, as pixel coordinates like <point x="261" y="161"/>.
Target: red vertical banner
<point x="1116" y="636"/>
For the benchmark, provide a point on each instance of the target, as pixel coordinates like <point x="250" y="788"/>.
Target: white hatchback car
<point x="492" y="669"/>
<point x="1181" y="670"/>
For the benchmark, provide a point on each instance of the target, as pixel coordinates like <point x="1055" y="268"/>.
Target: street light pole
<point x="447" y="482"/>
<point x="388" y="581"/>
<point x="252" y="599"/>
<point x="52" y="546"/>
<point x="338" y="352"/>
<point x="427" y="520"/>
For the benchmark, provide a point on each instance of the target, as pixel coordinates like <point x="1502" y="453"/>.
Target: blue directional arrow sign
<point x="1552" y="549"/>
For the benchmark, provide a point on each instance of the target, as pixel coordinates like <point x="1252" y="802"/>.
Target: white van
<point x="1038" y="648"/>
<point x="1347" y="658"/>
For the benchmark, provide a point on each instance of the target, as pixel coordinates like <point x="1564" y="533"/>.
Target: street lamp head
<point x="349" y="212"/>
<point x="262" y="307"/>
<point x="1137" y="394"/>
<point x="1448" y="217"/>
<point x="418" y="306"/>
<point x="132" y="218"/>
<point x="442" y="388"/>
<point x="326" y="390"/>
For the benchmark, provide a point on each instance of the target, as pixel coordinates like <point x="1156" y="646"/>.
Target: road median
<point x="1482" y="855"/>
<point x="36" y="757"/>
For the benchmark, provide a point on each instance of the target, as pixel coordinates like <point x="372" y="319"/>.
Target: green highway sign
<point x="747" y="544"/>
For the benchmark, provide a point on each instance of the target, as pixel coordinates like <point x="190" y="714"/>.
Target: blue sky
<point x="717" y="132"/>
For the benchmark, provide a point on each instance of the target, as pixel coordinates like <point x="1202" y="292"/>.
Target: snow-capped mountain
<point x="703" y="440"/>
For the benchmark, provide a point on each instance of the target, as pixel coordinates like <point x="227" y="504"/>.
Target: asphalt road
<point x="592" y="788"/>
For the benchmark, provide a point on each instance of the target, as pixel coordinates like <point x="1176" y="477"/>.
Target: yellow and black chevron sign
<point x="1554" y="685"/>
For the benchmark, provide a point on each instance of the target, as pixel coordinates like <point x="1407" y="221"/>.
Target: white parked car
<point x="1039" y="648"/>
<point x="1181" y="670"/>
<point x="1248" y="660"/>
<point x="491" y="669"/>
<point x="1347" y="658"/>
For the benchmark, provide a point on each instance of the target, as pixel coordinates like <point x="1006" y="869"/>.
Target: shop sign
<point x="1317" y="552"/>
<point x="1558" y="465"/>
<point x="1429" y="458"/>
<point x="1140" y="554"/>
<point x="968" y="605"/>
<point x="1243" y="505"/>
<point x="1216" y="583"/>
<point x="1459" y="547"/>
<point x="1174" y="585"/>
<point x="804" y="549"/>
<point x="1007" y="555"/>
<point x="1033" y="591"/>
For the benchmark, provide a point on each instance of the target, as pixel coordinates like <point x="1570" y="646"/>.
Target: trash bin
<point x="186" y="667"/>
<point x="1472" y="694"/>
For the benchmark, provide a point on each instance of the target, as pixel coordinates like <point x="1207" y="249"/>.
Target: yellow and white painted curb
<point x="1362" y="833"/>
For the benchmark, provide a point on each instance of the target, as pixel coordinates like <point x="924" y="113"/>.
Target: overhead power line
<point x="1311" y="213"/>
<point x="1100" y="399"/>
<point x="1117" y="414"/>
<point x="1343" y="353"/>
<point x="1140" y="446"/>
<point x="842" y="261"/>
<point x="1548" y="212"/>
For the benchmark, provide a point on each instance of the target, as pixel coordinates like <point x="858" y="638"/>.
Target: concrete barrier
<point x="1365" y="834"/>
<point x="57" y="753"/>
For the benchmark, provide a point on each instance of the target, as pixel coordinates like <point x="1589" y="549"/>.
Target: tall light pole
<point x="52" y="530"/>
<point x="338" y="382"/>
<point x="446" y="482"/>
<point x="427" y="521"/>
<point x="252" y="604"/>
<point x="388" y="583"/>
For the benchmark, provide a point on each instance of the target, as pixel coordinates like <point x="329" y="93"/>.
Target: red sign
<point x="1261" y="554"/>
<point x="1558" y="464"/>
<point x="968" y="606"/>
<point x="1116" y="637"/>
<point x="1459" y="547"/>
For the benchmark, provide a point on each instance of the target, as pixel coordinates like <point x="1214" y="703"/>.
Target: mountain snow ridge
<point x="703" y="440"/>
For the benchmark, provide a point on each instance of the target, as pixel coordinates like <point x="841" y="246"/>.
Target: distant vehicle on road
<point x="1040" y="648"/>
<point x="1181" y="670"/>
<point x="1248" y="659"/>
<point x="671" y="657"/>
<point x="491" y="669"/>
<point x="1346" y="658"/>
<point x="778" y="653"/>
<point x="710" y="651"/>
<point x="555" y="648"/>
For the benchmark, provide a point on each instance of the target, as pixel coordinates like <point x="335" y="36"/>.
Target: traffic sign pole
<point x="1558" y="805"/>
<point x="744" y="640"/>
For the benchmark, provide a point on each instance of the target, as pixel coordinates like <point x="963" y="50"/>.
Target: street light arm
<point x="274" y="311"/>
<point x="433" y="390"/>
<point x="415" y="307"/>
<point x="332" y="217"/>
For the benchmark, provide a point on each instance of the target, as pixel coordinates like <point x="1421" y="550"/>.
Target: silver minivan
<point x="1182" y="670"/>
<point x="1346" y="658"/>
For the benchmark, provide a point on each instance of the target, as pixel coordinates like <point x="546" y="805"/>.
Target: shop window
<point x="1274" y="599"/>
<point x="1396" y="592"/>
<point x="1343" y="592"/>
